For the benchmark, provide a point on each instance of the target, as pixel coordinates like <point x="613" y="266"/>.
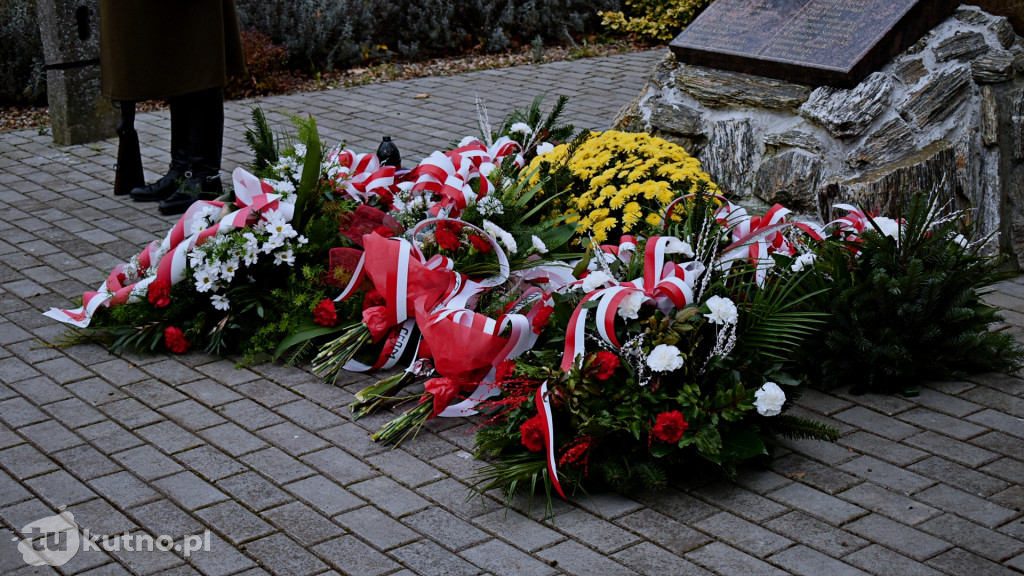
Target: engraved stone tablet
<point x="835" y="42"/>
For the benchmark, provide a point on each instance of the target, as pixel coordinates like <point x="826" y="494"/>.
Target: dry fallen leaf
<point x="796" y="475"/>
<point x="421" y="96"/>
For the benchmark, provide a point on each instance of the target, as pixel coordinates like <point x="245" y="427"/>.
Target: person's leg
<point x="165" y="186"/>
<point x="204" y="134"/>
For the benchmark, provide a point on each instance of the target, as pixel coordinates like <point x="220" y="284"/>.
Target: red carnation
<point x="373" y="298"/>
<point x="159" y="294"/>
<point x="446" y="239"/>
<point x="505" y="371"/>
<point x="532" y="433"/>
<point x="384" y="231"/>
<point x="604" y="364"/>
<point x="669" y="426"/>
<point x="325" y="314"/>
<point x="376" y="319"/>
<point x="481" y="244"/>
<point x="175" y="340"/>
<point x="541" y="319"/>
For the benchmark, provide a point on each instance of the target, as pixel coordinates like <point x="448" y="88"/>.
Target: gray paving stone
<point x="324" y="495"/>
<point x="340" y="465"/>
<point x="885" y="474"/>
<point x="501" y="559"/>
<point x="958" y="561"/>
<point x="146" y="562"/>
<point x="108" y="437"/>
<point x="941" y="423"/>
<point x="232" y="439"/>
<point x="303" y="523"/>
<point x="147" y="462"/>
<point x="189" y="490"/>
<point x="351" y="556"/>
<point x="806" y="561"/>
<point x="209" y="393"/>
<point x="447" y="529"/>
<point x="154" y="393"/>
<point x="899" y="537"/>
<point x="817" y="504"/>
<point x="819" y="476"/>
<point x="946" y="447"/>
<point x="221" y="560"/>
<point x="277" y="465"/>
<point x="947" y="403"/>
<point x="402" y="467"/>
<point x="60" y="488"/>
<point x="171" y="371"/>
<point x="739" y="533"/>
<point x="309" y="415"/>
<point x="63" y="370"/>
<point x="266" y="393"/>
<point x="876" y="423"/>
<point x="192" y="415"/>
<point x="1001" y="443"/>
<point x="233" y="521"/>
<point x="24" y="461"/>
<point x="646" y="558"/>
<point x="163" y="517"/>
<point x="39" y="390"/>
<point x="250" y="415"/>
<point x="390" y="496"/>
<point x="889" y="504"/>
<point x="608" y="505"/>
<point x="99" y="517"/>
<point x="882" y="448"/>
<point x="254" y="491"/>
<point x="18" y="412"/>
<point x="125" y="489"/>
<point x="211" y="464"/>
<point x="878" y="560"/>
<point x="292" y="439"/>
<point x="50" y="436"/>
<point x="998" y="421"/>
<point x="749" y="505"/>
<point x="12" y="492"/>
<point x="729" y="561"/>
<point x="974" y="538"/>
<point x="95" y="391"/>
<point x="168" y="437"/>
<point x="281" y="555"/>
<point x="429" y="559"/>
<point x="226" y="372"/>
<point x="377" y="528"/>
<point x="959" y="476"/>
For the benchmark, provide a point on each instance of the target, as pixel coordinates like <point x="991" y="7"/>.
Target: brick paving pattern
<point x="268" y="460"/>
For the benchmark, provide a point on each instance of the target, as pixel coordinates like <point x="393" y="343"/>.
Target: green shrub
<point x="653" y="19"/>
<point x="22" y="79"/>
<point x="908" y="308"/>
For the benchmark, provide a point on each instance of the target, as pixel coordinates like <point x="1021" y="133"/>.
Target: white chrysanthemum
<point x="539" y="245"/>
<point x="228" y="269"/>
<point x="595" y="280"/>
<point x="803" y="261"/>
<point x="489" y="206"/>
<point x="486" y="168"/>
<point x="205" y="280"/>
<point x="300" y="150"/>
<point x="888" y="226"/>
<point x="284" y="257"/>
<point x="722" y="311"/>
<point x="665" y="358"/>
<point x="676" y="246"/>
<point x="544" y="148"/>
<point x="769" y="399"/>
<point x="220" y="302"/>
<point x="273" y="243"/>
<point x="522" y="128"/>
<point x="629" y="308"/>
<point x="500" y="235"/>
<point x="278" y="226"/>
<point x="467" y="141"/>
<point x="282" y="186"/>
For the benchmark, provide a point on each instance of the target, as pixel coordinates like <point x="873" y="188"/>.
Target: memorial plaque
<point x="834" y="42"/>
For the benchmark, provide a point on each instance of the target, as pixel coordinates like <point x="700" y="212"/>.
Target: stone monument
<point x="70" y="32"/>
<point x="948" y="109"/>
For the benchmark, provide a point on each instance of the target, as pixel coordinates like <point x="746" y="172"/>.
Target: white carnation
<point x="722" y="311"/>
<point x="769" y="399"/>
<point x="539" y="245"/>
<point x="803" y="261"/>
<point x="595" y="280"/>
<point x="467" y="141"/>
<point x="486" y="168"/>
<point x="629" y="308"/>
<point x="544" y="148"/>
<point x="888" y="226"/>
<point x="676" y="246"/>
<point x="521" y="127"/>
<point x="665" y="358"/>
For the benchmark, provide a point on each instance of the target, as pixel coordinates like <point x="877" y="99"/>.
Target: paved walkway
<point x="267" y="460"/>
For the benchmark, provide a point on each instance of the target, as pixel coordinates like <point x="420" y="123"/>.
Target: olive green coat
<point x="157" y="49"/>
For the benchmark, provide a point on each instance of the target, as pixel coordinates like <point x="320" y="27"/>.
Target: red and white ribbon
<point x="544" y="409"/>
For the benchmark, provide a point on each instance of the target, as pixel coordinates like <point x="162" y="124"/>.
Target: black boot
<point x="192" y="190"/>
<point x="165" y="186"/>
<point x="204" y="136"/>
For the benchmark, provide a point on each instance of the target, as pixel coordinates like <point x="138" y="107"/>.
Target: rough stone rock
<point x="938" y="98"/>
<point x="961" y="46"/>
<point x="882" y="189"/>
<point x="910" y="71"/>
<point x="891" y="141"/>
<point x="1003" y="30"/>
<point x="849" y="112"/>
<point x="717" y="88"/>
<point x="993" y="67"/>
<point x="1015" y="201"/>
<point x="677" y="119"/>
<point x="1018" y="57"/>
<point x="989" y="117"/>
<point x="731" y="152"/>
<point x="794" y="139"/>
<point x="791" y="179"/>
<point x="1017" y="123"/>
